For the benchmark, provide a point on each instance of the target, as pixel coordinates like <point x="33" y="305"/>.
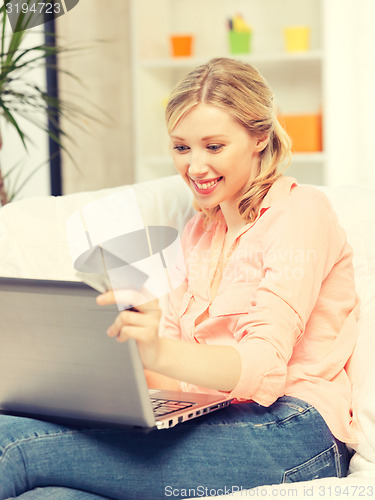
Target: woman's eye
<point x="215" y="147"/>
<point x="181" y="149"/>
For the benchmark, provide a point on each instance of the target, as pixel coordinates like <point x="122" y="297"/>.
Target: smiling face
<point x="215" y="155"/>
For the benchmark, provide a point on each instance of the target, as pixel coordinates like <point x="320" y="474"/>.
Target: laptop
<point x="57" y="363"/>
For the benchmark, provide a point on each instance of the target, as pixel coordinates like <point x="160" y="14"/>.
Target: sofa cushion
<point x="33" y="242"/>
<point x="355" y="208"/>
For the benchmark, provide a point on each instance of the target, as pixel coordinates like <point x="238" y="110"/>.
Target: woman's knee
<point x="54" y="492"/>
<point x="22" y="449"/>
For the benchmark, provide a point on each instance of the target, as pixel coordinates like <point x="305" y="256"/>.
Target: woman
<point x="267" y="314"/>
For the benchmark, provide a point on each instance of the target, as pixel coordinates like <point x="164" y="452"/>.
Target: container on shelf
<point x="239" y="35"/>
<point x="239" y="42"/>
<point x="305" y="131"/>
<point x="181" y="45"/>
<point x="296" y="76"/>
<point x="297" y="38"/>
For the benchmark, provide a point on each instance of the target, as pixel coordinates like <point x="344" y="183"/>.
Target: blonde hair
<point x="239" y="89"/>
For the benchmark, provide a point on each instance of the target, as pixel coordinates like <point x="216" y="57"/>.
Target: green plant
<point x="21" y="97"/>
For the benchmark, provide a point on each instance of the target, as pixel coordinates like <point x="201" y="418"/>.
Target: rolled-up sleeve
<point x="301" y="245"/>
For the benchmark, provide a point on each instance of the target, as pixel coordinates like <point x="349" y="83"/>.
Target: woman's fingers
<point x="142" y="320"/>
<point x="107" y="298"/>
<point x="131" y="332"/>
<point x="126" y="299"/>
<point x="126" y="318"/>
<point x="141" y="324"/>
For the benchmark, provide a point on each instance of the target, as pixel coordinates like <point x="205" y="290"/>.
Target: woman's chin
<point x="205" y="203"/>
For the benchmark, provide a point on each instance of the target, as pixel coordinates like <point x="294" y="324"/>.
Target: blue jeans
<point x="242" y="446"/>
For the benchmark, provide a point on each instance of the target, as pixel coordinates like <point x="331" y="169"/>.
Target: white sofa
<point x="33" y="244"/>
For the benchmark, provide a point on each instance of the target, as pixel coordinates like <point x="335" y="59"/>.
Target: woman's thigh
<point x="242" y="446"/>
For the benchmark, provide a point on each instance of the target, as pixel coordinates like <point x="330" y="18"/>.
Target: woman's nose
<point x="197" y="166"/>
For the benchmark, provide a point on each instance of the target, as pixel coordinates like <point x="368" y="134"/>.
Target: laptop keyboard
<point x="164" y="406"/>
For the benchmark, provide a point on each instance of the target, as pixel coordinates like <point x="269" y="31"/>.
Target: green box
<point x="239" y="42"/>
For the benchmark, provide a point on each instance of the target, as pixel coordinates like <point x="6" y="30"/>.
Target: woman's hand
<point x="213" y="366"/>
<point x="140" y="323"/>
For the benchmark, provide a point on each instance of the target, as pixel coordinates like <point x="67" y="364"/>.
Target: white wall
<point x="350" y="94"/>
<point x="349" y="105"/>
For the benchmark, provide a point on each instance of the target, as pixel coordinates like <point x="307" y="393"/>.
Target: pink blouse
<point x="286" y="301"/>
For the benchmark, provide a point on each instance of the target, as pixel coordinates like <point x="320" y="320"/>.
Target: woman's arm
<point x="212" y="366"/>
<point x="157" y="381"/>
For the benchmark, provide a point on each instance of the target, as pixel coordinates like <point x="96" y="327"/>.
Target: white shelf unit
<point x="296" y="78"/>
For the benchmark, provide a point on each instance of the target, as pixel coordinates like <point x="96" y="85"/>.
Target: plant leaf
<point x="10" y="118"/>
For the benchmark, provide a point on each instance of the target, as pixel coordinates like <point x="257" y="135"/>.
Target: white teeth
<point x="206" y="185"/>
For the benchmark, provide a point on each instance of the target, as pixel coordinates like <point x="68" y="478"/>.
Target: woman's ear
<point x="262" y="143"/>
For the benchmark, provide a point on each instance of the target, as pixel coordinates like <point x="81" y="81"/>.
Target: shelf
<point x="317" y="157"/>
<point x="305" y="167"/>
<point x="296" y="78"/>
<point x="161" y="160"/>
<point x="271" y="58"/>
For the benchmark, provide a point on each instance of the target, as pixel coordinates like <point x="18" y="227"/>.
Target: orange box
<point x="305" y="131"/>
<point x="181" y="45"/>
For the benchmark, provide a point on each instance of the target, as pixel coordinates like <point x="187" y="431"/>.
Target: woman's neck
<point x="233" y="219"/>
